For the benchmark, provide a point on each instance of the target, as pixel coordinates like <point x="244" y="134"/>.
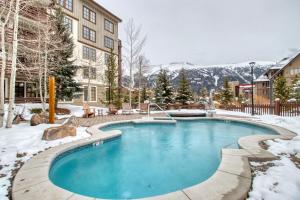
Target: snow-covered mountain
<point x="210" y="76"/>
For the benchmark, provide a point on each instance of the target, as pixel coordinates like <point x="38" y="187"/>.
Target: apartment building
<point x="95" y="33"/>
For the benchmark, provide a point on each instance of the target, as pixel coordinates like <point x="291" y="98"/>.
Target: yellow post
<point x="51" y="100"/>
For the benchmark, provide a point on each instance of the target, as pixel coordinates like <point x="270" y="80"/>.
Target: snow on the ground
<point x="24" y="138"/>
<point x="282" y="180"/>
<point x="75" y="110"/>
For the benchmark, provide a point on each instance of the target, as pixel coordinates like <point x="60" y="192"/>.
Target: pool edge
<point x="230" y="181"/>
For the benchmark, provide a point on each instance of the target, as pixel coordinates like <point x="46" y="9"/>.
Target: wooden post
<point x="242" y="107"/>
<point x="51" y="100"/>
<point x="277" y="107"/>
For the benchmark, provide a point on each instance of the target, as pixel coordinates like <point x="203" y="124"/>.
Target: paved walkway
<point x="87" y="122"/>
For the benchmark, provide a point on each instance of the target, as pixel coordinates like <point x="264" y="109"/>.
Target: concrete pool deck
<point x="231" y="181"/>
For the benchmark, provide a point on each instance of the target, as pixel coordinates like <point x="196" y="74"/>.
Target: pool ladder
<point x="164" y="111"/>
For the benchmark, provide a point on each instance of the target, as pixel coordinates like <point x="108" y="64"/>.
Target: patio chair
<point x="88" y="112"/>
<point x="144" y="108"/>
<point x="126" y="109"/>
<point x="112" y="110"/>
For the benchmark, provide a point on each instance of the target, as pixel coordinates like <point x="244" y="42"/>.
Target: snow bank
<point x="21" y="139"/>
<point x="282" y="181"/>
<point x="75" y="110"/>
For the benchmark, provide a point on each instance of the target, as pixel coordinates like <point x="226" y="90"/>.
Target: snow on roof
<point x="246" y="85"/>
<point x="262" y="78"/>
<point x="288" y="59"/>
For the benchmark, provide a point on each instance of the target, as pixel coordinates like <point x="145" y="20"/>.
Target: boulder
<point x="37" y="119"/>
<point x="72" y="121"/>
<point x="59" y="132"/>
<point x="44" y="115"/>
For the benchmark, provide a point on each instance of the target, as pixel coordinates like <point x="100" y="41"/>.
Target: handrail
<point x="155" y="104"/>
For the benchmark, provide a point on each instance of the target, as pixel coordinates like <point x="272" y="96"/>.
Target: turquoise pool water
<point x="149" y="159"/>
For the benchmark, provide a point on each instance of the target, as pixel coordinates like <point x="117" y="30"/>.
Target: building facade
<point x="95" y="33"/>
<point x="289" y="68"/>
<point x="31" y="17"/>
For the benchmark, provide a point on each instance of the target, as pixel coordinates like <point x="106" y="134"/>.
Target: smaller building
<point x="245" y="92"/>
<point x="241" y="91"/>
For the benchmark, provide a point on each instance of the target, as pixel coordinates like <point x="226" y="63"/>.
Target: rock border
<point x="232" y="180"/>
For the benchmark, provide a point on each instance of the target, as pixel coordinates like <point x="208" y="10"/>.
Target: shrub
<point x="36" y="110"/>
<point x="61" y="111"/>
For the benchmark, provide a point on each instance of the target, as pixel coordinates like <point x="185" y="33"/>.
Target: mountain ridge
<point x="208" y="76"/>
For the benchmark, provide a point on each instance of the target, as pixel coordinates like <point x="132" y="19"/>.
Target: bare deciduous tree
<point x="13" y="66"/>
<point x="143" y="68"/>
<point x="4" y="18"/>
<point x="134" y="44"/>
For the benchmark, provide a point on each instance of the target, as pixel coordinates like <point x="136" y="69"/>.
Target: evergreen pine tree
<point x="281" y="90"/>
<point x="226" y="93"/>
<point x="184" y="93"/>
<point x="296" y="89"/>
<point x="203" y="92"/>
<point x="111" y="75"/>
<point x="65" y="70"/>
<point x="144" y="95"/>
<point x="163" y="90"/>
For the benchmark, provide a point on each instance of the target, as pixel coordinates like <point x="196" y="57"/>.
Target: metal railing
<point x="160" y="108"/>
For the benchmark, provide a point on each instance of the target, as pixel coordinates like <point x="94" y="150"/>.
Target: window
<point x="89" y="15"/>
<point x="108" y="25"/>
<point x="20" y="89"/>
<point x="68" y="4"/>
<point x="108" y="42"/>
<point x="92" y="75"/>
<point x="89" y="34"/>
<point x="31" y="90"/>
<point x="89" y="54"/>
<point x="68" y="24"/>
<point x="106" y="59"/>
<point x="93" y="93"/>
<point x="6" y="88"/>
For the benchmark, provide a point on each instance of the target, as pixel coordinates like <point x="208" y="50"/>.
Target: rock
<point x="72" y="121"/>
<point x="37" y="119"/>
<point x="59" y="132"/>
<point x="44" y="115"/>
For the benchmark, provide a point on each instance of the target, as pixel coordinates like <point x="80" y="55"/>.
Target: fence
<point x="26" y="100"/>
<point x="281" y="109"/>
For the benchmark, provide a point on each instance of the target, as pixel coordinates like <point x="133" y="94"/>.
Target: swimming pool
<point x="149" y="159"/>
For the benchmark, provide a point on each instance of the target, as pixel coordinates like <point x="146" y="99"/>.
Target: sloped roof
<point x="285" y="62"/>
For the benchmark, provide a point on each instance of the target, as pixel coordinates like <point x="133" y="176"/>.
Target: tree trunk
<point x="13" y="67"/>
<point x="40" y="74"/>
<point x="89" y="85"/>
<point x="45" y="78"/>
<point x="140" y="82"/>
<point x="3" y="57"/>
<point x="3" y="68"/>
<point x="131" y="79"/>
<point x="46" y="67"/>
